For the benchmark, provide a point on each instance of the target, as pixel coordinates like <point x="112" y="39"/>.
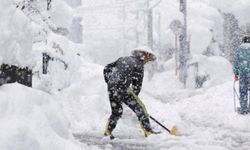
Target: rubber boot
<point x="107" y="132"/>
<point x="148" y="132"/>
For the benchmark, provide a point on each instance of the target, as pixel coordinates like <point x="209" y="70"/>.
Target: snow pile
<point x="86" y="100"/>
<point x="61" y="14"/>
<point x="52" y="39"/>
<point x="209" y="118"/>
<point x="15" y="49"/>
<point x="200" y="24"/>
<point x="64" y="69"/>
<point x="31" y="119"/>
<point x="217" y="68"/>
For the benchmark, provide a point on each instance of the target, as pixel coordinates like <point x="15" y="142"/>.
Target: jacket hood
<point x="143" y="48"/>
<point x="141" y="51"/>
<point x="245" y="46"/>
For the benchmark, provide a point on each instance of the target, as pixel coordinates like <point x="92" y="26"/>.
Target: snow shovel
<point x="173" y="131"/>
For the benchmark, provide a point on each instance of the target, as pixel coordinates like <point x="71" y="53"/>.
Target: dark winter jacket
<point x="242" y="60"/>
<point x="124" y="74"/>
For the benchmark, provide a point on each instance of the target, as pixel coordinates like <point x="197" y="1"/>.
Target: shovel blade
<point x="173" y="131"/>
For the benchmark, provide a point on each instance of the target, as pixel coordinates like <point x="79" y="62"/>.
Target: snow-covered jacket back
<point x="242" y="60"/>
<point x="124" y="73"/>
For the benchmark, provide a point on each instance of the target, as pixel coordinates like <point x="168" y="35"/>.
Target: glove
<point x="236" y="78"/>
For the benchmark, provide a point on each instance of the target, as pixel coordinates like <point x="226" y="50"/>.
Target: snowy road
<point x="204" y="138"/>
<point x="206" y="122"/>
<point x="128" y="143"/>
<point x="225" y="139"/>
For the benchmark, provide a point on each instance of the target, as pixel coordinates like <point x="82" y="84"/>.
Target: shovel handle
<point x="159" y="123"/>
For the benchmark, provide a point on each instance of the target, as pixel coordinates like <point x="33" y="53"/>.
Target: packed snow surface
<point x="205" y="118"/>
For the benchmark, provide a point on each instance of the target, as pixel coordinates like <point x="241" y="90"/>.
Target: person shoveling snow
<point x="124" y="77"/>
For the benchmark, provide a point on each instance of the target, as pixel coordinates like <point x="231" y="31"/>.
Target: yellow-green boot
<point x="107" y="132"/>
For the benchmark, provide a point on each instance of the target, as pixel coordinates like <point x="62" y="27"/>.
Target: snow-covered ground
<point x="68" y="109"/>
<point x="205" y="117"/>
<point x="32" y="119"/>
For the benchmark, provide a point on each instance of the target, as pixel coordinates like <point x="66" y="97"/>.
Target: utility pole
<point x="136" y="30"/>
<point x="149" y="26"/>
<point x="48" y="4"/>
<point x="150" y="40"/>
<point x="124" y="27"/>
<point x="159" y="31"/>
<point x="176" y="26"/>
<point x="184" y="45"/>
<point x="176" y="54"/>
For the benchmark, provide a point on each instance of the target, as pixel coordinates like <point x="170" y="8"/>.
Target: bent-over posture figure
<point x="124" y="78"/>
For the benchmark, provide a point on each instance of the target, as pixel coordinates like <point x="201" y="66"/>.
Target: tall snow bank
<point x="166" y="86"/>
<point x="32" y="120"/>
<point x="200" y="23"/>
<point x="14" y="25"/>
<point x="86" y="101"/>
<point x="63" y="70"/>
<point x="217" y="68"/>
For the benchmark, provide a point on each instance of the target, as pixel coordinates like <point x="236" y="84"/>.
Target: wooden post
<point x="46" y="59"/>
<point x="136" y="30"/>
<point x="176" y="54"/>
<point x="48" y="4"/>
<point x="150" y="29"/>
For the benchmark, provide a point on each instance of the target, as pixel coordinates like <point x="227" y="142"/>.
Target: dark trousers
<point x="244" y="88"/>
<point x="117" y="97"/>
